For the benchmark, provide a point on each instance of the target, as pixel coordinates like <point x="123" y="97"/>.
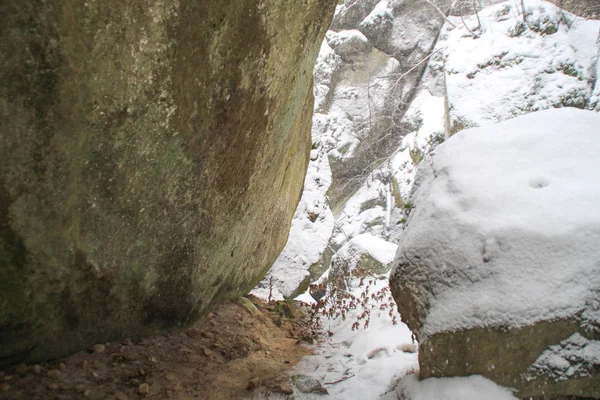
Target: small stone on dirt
<point x="4" y="387"/>
<point x="306" y="384"/>
<point x="144" y="388"/>
<point x="99" y="348"/>
<point x="62" y="366"/>
<point x="121" y="396"/>
<point x="207" y="352"/>
<point x="286" y="389"/>
<point x="171" y="377"/>
<point x="53" y="373"/>
<point x="37" y="369"/>
<point x="21" y="368"/>
<point x="84" y="364"/>
<point x="408" y="347"/>
<point x="53" y="386"/>
<point x="211" y="315"/>
<point x="253" y="383"/>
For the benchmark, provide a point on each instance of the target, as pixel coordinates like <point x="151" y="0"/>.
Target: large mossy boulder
<point x="152" y="154"/>
<point x="498" y="270"/>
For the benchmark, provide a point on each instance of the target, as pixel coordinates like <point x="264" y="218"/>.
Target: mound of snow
<point x="465" y="388"/>
<point x="507" y="223"/>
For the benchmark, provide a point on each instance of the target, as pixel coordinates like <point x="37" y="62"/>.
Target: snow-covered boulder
<point x="498" y="270"/>
<point x="365" y="252"/>
<point x="348" y="44"/>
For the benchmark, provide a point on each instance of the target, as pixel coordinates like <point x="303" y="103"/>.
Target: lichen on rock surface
<point x="152" y="155"/>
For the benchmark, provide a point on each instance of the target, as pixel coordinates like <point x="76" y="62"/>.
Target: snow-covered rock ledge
<point x="500" y="263"/>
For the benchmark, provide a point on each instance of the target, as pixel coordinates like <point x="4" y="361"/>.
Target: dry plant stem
<point x="440" y="12"/>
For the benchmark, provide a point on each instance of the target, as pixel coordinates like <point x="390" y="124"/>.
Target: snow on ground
<point x="512" y="69"/>
<point x="359" y="363"/>
<point x="496" y="193"/>
<point x="473" y="387"/>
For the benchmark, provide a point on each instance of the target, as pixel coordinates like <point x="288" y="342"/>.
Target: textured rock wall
<point x="151" y="157"/>
<point x="378" y="76"/>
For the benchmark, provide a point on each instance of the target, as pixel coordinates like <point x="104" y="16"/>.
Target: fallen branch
<point x="340" y="380"/>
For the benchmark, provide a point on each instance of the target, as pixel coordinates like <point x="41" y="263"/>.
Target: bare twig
<point x="466" y="26"/>
<point x="340" y="380"/>
<point x="442" y="14"/>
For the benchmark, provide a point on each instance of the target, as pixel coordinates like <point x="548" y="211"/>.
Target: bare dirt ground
<point x="240" y="346"/>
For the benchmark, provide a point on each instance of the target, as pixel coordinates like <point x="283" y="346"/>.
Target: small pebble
<point x="53" y="373"/>
<point x="144" y="388"/>
<point x="99" y="348"/>
<point x="84" y="364"/>
<point x="53" y="386"/>
<point x="142" y="371"/>
<point x="253" y="383"/>
<point x="21" y="368"/>
<point x="286" y="389"/>
<point x="121" y="396"/>
<point x="207" y="352"/>
<point x="62" y="366"/>
<point x="171" y="377"/>
<point x="4" y="387"/>
<point x="86" y="393"/>
<point x="37" y="369"/>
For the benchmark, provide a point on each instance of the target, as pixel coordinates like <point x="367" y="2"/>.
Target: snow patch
<point x="474" y="387"/>
<point x="574" y="357"/>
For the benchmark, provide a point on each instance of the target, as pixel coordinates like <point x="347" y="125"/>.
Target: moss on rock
<point x="152" y="155"/>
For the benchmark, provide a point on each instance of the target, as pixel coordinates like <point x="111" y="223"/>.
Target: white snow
<point x="501" y="74"/>
<point x="369" y="360"/>
<point x="326" y="66"/>
<point x="574" y="357"/>
<point x="381" y="12"/>
<point x="381" y="250"/>
<point x="507" y="220"/>
<point x="472" y="387"/>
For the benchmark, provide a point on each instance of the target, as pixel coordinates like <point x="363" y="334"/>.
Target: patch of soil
<point x="240" y="346"/>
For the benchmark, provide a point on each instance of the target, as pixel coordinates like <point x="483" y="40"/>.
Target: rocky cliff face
<point x="152" y="155"/>
<point x="368" y="69"/>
